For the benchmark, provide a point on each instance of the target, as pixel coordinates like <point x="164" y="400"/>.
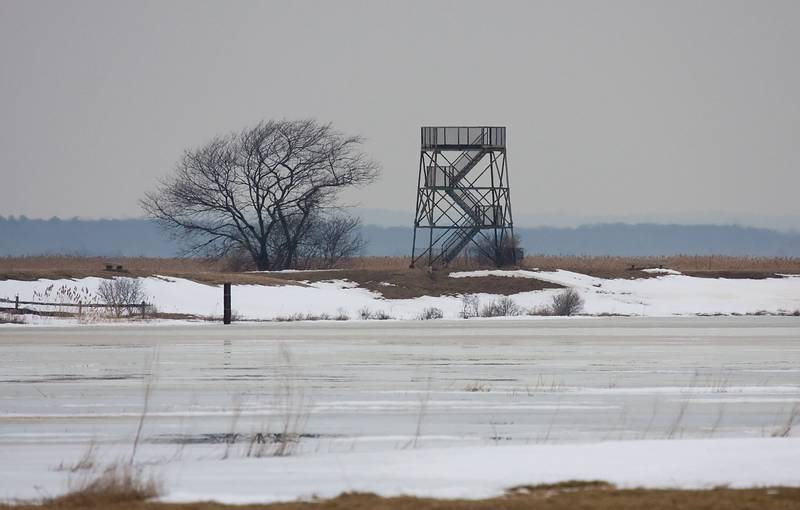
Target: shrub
<point x="367" y="314"/>
<point x="502" y="307"/>
<point x="566" y="303"/>
<point x="237" y="261"/>
<point x="380" y="315"/>
<point x="431" y="313"/>
<point x="470" y="306"/>
<point x="542" y="311"/>
<point x="119" y="292"/>
<point x="7" y="318"/>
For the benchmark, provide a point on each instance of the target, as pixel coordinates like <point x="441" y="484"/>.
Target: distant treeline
<point x="21" y="236"/>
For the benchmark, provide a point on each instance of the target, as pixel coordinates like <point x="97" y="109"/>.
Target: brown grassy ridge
<point x="201" y="270"/>
<point x="710" y="266"/>
<point x="410" y="283"/>
<point x="608" y="264"/>
<point x="563" y="496"/>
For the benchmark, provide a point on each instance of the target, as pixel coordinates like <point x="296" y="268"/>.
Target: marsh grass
<point x="785" y="429"/>
<point x="376" y="315"/>
<point x="430" y="313"/>
<point x="280" y="437"/>
<point x="117" y="483"/>
<point x="10" y="318"/>
<point x="86" y="462"/>
<point x="568" y="495"/>
<point x="138" y="266"/>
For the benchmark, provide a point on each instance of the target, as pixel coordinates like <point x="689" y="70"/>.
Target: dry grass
<point x="562" y="496"/>
<point x="199" y="270"/>
<point x="701" y="265"/>
<point x="153" y="265"/>
<point x="118" y="485"/>
<point x="411" y="283"/>
<point x="10" y="318"/>
<point x="93" y="264"/>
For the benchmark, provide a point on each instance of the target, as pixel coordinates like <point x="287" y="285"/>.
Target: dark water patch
<point x="74" y="378"/>
<point x="233" y="438"/>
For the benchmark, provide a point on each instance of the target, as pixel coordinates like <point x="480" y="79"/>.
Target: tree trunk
<point x="262" y="261"/>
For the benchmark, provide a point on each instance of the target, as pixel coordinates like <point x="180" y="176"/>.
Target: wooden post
<point x="226" y="303"/>
<point x="80" y="309"/>
<point x="143" y="305"/>
<point x="16" y="302"/>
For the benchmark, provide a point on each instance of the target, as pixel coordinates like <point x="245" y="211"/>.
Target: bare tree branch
<point x="262" y="191"/>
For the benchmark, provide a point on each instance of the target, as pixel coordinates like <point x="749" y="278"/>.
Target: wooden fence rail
<point x="227" y="315"/>
<point x="79" y="305"/>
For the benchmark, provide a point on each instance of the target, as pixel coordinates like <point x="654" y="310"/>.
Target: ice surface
<point x="442" y="408"/>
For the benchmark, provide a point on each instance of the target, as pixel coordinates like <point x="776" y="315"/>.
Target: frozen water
<point x="366" y="391"/>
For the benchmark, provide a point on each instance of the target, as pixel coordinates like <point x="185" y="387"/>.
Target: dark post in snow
<point x="226" y="303"/>
<point x="16" y="302"/>
<point x="142" y="308"/>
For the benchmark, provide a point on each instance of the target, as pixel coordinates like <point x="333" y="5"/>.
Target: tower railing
<point x="473" y="136"/>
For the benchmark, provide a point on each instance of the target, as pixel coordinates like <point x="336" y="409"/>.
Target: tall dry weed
<point x="117" y="483"/>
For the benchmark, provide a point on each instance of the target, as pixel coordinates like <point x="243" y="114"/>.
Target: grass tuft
<point x="431" y="313"/>
<point x="118" y="483"/>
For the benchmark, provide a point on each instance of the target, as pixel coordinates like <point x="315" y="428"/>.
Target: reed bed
<point x="75" y="267"/>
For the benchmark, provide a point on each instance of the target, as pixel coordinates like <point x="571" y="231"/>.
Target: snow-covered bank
<point x="479" y="472"/>
<point x="468" y="472"/>
<point x="670" y="294"/>
<point x="665" y="295"/>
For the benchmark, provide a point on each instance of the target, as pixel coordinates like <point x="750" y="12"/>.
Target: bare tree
<point x="119" y="292"/>
<point x="259" y="190"/>
<point x="335" y="238"/>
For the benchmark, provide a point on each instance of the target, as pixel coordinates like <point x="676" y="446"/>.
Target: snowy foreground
<point x="668" y="294"/>
<point x="435" y="408"/>
<point x="472" y="472"/>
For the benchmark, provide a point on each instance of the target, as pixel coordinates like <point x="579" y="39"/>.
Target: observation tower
<point x="463" y="196"/>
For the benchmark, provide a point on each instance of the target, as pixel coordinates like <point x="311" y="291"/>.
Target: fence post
<point x="16" y="302"/>
<point x="226" y="303"/>
<point x="143" y="306"/>
<point x="80" y="309"/>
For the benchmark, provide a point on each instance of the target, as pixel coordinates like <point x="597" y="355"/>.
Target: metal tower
<point x="462" y="196"/>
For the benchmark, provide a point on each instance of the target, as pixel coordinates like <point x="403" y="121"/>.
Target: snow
<point x="665" y="295"/>
<point x="288" y="271"/>
<point x="479" y="472"/>
<point x="660" y="270"/>
<point x="199" y="474"/>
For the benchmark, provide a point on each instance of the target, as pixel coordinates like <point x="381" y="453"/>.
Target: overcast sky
<point x="630" y="110"/>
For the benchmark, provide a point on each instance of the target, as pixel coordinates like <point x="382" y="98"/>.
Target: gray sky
<point x="632" y="110"/>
